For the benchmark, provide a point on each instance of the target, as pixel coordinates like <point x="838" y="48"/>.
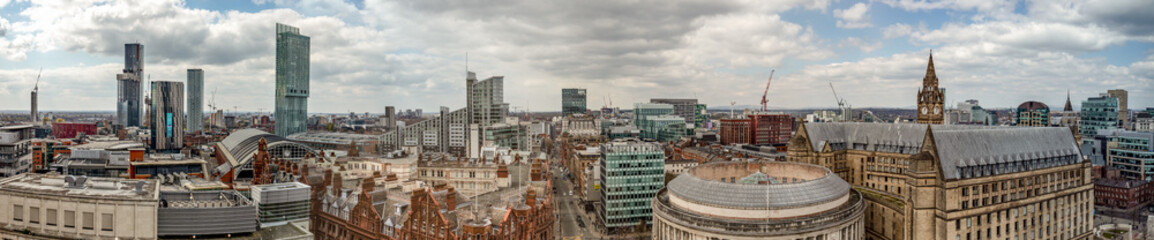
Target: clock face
<point x="937" y="110"/>
<point x="924" y="111"/>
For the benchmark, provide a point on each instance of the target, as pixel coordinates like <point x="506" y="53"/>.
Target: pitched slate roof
<point x="976" y="147"/>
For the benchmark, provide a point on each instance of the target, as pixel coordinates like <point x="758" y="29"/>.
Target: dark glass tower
<point x="292" y="80"/>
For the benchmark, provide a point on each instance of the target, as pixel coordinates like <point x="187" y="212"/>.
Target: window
<point x="106" y="222"/>
<point x="18" y="213"/>
<point x="50" y="217"/>
<point x="88" y="219"/>
<point x="34" y="215"/>
<point x="69" y="219"/>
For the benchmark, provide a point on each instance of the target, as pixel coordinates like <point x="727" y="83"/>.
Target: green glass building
<point x="663" y="128"/>
<point x="644" y="110"/>
<point x="700" y="116"/>
<point x="632" y="173"/>
<point x="1098" y="113"/>
<point x="292" y="80"/>
<point x="572" y="101"/>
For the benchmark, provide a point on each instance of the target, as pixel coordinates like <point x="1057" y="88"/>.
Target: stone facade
<point x="957" y="182"/>
<point x="931" y="98"/>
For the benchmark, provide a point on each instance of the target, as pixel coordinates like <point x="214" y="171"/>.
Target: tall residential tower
<point x="195" y="100"/>
<point x="292" y="80"/>
<point x="128" y="86"/>
<point x="167" y="113"/>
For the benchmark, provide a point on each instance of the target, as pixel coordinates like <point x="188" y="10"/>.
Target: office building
<point x="205" y="213"/>
<point x="663" y="128"/>
<point x="78" y="207"/>
<point x="292" y="80"/>
<point x="167" y="115"/>
<point x="1132" y="153"/>
<point x="735" y="131"/>
<point x="763" y="200"/>
<point x="281" y="202"/>
<point x="645" y="110"/>
<point x="195" y="122"/>
<point x="1098" y="113"/>
<point x="572" y="101"/>
<point x="1123" y="107"/>
<point x="1032" y="114"/>
<point x="701" y="116"/>
<point x="632" y="174"/>
<point x="770" y="129"/>
<point x="62" y="130"/>
<point x="956" y="181"/>
<point x="685" y="108"/>
<point x="931" y="98"/>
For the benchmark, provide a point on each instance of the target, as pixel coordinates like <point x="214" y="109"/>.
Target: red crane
<point x="763" y="95"/>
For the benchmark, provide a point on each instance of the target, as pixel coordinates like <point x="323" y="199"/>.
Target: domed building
<point x="765" y="200"/>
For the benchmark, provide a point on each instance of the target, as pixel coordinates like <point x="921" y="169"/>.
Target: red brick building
<point x="1114" y="191"/>
<point x="769" y="129"/>
<point x="71" y="130"/>
<point x="735" y="131"/>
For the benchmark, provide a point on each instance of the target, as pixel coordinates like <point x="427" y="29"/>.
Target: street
<point x="570" y="223"/>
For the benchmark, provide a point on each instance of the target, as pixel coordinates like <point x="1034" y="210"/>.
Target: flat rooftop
<point x="93" y="187"/>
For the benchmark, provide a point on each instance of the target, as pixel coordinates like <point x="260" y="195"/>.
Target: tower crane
<point x="841" y="103"/>
<point x="764" y="95"/>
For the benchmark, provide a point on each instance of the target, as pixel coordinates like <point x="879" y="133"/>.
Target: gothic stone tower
<point x="930" y="97"/>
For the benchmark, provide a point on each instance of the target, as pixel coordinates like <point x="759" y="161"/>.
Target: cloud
<point x="410" y="53"/>
<point x="860" y="44"/>
<point x="897" y="30"/>
<point x="853" y="17"/>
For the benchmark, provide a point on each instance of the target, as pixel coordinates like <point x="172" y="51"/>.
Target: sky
<point x="412" y="53"/>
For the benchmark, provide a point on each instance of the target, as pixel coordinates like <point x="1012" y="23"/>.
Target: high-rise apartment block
<point x="292" y="80"/>
<point x="452" y="131"/>
<point x="957" y="181"/>
<point x="685" y="108"/>
<point x="572" y="101"/>
<point x="195" y="100"/>
<point x="129" y="86"/>
<point x="167" y="113"/>
<point x="632" y="174"/>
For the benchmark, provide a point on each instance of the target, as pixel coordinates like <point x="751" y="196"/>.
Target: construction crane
<point x="841" y="103"/>
<point x="764" y="101"/>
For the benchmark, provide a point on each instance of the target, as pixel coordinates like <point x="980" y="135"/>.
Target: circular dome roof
<point x="766" y="185"/>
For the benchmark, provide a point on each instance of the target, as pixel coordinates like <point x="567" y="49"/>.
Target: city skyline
<point x="376" y="54"/>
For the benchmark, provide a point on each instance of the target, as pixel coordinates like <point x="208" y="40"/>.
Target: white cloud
<point x="853" y="17"/>
<point x="897" y="30"/>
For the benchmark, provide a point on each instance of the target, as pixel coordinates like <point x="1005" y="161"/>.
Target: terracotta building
<point x="368" y="211"/>
<point x="770" y="129"/>
<point x="1114" y="191"/>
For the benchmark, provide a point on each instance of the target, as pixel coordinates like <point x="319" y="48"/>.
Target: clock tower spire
<point x="930" y="97"/>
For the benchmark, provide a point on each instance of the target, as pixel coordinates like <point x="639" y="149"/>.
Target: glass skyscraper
<point x="195" y="100"/>
<point x="292" y="80"/>
<point x="167" y="115"/>
<point x="128" y="86"/>
<point x="572" y="101"/>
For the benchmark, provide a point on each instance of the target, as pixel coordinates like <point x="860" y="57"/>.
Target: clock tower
<point x="930" y="98"/>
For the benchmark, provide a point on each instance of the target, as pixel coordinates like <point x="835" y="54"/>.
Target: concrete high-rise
<point x="195" y="100"/>
<point x="128" y="86"/>
<point x="167" y="112"/>
<point x="292" y="80"/>
<point x="572" y="101"/>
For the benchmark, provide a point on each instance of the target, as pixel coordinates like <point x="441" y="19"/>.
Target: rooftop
<point x="95" y="187"/>
<point x="790" y="185"/>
